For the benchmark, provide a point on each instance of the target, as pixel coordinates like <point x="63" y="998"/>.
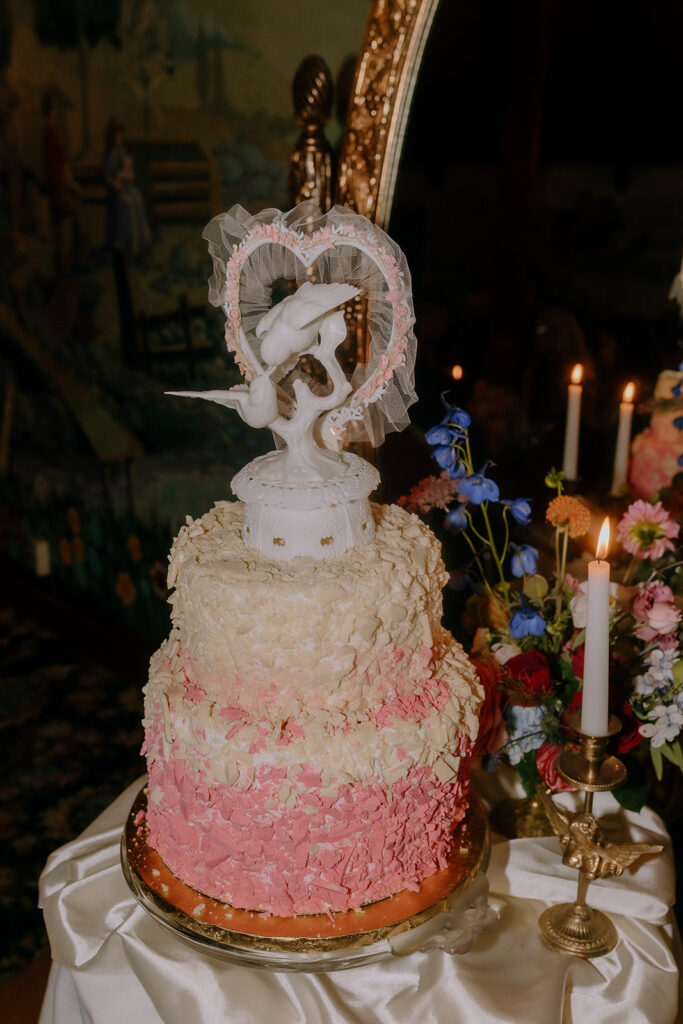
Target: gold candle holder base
<point x="575" y="927"/>
<point x="589" y="768"/>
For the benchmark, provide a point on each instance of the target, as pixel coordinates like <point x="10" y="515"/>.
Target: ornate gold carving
<point x="584" y="846"/>
<point x="575" y="927"/>
<point x="310" y="167"/>
<point x="394" y="41"/>
<point x="326" y="540"/>
<point x="279" y="541"/>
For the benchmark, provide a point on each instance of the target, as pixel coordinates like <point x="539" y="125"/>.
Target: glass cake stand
<point x="448" y="912"/>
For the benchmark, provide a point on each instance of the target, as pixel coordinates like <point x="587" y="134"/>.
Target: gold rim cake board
<point x="217" y="926"/>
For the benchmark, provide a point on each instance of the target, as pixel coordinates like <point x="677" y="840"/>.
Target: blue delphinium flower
<point x="679" y="460"/>
<point x="520" y="509"/>
<point x="524" y="559"/>
<point x="526" y="622"/>
<point x="478" y="488"/>
<point x="456" y="519"/>
<point x="676" y="389"/>
<point x="439" y="436"/>
<point x="678" y="423"/>
<point x="445" y="456"/>
<point x="457" y="418"/>
<point x="524" y="730"/>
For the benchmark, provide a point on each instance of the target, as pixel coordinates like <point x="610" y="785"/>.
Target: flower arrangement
<point x="527" y="628"/>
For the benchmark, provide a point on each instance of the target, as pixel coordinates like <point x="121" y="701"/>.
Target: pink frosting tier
<point x="308" y="725"/>
<point x="328" y="853"/>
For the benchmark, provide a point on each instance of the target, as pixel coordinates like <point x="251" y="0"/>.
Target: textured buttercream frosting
<point x="308" y="723"/>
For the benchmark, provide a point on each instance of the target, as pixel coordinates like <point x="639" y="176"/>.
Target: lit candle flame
<point x="456" y="372"/>
<point x="629" y="391"/>
<point x="576" y="375"/>
<point x="603" y="540"/>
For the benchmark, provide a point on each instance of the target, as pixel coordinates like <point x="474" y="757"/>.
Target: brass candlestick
<point x="575" y="927"/>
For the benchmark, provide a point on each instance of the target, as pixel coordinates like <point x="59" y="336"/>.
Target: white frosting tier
<point x="420" y="730"/>
<point x="348" y="632"/>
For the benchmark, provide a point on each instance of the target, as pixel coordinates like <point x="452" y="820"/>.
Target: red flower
<point x="672" y="497"/>
<point x="546" y="763"/>
<point x="528" y="679"/>
<point x="491" y="723"/>
<point x="577" y="658"/>
<point x="629" y="737"/>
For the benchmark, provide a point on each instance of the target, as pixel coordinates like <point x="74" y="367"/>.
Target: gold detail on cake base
<point x="279" y="541"/>
<point x="326" y="540"/>
<point x="222" y="927"/>
<point x="520" y="818"/>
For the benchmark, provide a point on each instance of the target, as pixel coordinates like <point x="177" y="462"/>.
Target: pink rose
<point x="663" y="617"/>
<point x="654" y="607"/>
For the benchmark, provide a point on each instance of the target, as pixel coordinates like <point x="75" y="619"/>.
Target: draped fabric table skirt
<point x="113" y="963"/>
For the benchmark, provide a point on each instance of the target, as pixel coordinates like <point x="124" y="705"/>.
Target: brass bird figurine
<point x="583" y="842"/>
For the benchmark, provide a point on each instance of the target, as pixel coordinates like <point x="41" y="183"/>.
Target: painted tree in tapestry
<point x="78" y="25"/>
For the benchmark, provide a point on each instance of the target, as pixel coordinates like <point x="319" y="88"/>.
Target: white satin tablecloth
<point x="113" y="963"/>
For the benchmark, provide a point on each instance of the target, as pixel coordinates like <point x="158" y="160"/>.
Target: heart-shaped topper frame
<point x="252" y="253"/>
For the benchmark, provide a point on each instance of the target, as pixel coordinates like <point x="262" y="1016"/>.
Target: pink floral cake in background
<point x="308" y="723"/>
<point x="655" y="451"/>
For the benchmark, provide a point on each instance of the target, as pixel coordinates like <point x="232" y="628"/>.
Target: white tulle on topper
<point x="252" y="253"/>
<point x="310" y="497"/>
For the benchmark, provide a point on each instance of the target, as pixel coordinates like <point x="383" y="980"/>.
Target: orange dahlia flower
<point x="567" y="511"/>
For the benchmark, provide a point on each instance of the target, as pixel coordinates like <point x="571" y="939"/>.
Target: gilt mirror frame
<point x="388" y="65"/>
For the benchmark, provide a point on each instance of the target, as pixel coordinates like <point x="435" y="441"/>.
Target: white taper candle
<point x="621" y="452"/>
<point x="595" y="701"/>
<point x="570" y="456"/>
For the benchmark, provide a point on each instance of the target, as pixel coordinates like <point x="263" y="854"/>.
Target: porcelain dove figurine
<point x="255" y="402"/>
<point x="289" y="329"/>
<point x="292" y="326"/>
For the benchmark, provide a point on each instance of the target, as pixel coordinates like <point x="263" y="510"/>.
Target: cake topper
<point x="301" y="324"/>
<point x="310" y="497"/>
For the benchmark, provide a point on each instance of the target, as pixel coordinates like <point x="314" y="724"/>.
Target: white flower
<point x="524" y="729"/>
<point x="579" y="604"/>
<point x="661" y="664"/>
<point x="665" y="725"/>
<point x="503" y="652"/>
<point x="643" y="685"/>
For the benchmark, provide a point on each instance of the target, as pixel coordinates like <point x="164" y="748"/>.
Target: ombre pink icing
<point x="414" y="706"/>
<point x="308" y="725"/>
<point x="391" y="672"/>
<point x="243" y="847"/>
